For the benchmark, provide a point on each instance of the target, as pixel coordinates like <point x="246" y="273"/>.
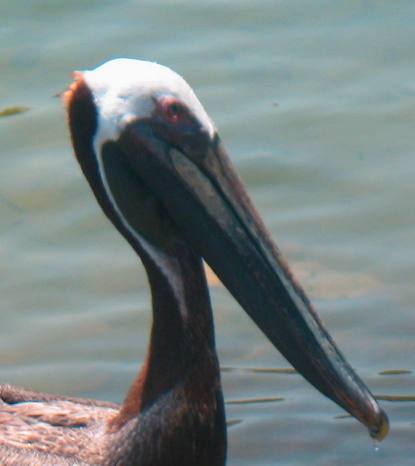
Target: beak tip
<point x="381" y="429"/>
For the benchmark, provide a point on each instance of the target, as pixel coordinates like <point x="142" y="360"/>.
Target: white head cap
<point x="125" y="90"/>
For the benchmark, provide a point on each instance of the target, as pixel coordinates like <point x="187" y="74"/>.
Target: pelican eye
<point x="172" y="109"/>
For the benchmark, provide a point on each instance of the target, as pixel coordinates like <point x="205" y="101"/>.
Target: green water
<point x="316" y="103"/>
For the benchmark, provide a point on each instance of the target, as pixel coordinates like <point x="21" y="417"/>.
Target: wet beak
<point x="207" y="201"/>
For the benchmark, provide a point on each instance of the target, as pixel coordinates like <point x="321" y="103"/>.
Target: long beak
<point x="210" y="206"/>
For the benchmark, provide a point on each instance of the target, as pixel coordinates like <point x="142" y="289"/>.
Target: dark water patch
<point x="12" y="111"/>
<point x="249" y="401"/>
<point x="273" y="370"/>
<point x="343" y="416"/>
<point x="398" y="398"/>
<point x="395" y="372"/>
<point x="259" y="370"/>
<point x="233" y="422"/>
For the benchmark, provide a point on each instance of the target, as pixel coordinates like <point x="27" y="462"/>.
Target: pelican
<point x="157" y="167"/>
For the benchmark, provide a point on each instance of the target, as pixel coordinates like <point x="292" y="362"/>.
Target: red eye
<point x="172" y="109"/>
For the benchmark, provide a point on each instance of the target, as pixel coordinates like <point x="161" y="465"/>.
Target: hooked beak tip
<point x="381" y="429"/>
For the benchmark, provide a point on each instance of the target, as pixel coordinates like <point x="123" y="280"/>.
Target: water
<point x="316" y="106"/>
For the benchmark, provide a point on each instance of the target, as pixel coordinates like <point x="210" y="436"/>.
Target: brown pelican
<point x="157" y="167"/>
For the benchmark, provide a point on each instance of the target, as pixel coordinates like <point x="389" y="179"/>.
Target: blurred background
<point x="315" y="102"/>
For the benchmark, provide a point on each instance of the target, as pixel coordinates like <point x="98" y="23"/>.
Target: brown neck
<point x="182" y="343"/>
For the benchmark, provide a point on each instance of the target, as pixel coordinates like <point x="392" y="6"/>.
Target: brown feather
<point x="51" y="425"/>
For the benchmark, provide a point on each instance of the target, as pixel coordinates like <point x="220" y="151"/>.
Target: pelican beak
<point x="199" y="188"/>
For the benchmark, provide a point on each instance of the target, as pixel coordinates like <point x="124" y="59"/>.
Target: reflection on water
<point x="316" y="105"/>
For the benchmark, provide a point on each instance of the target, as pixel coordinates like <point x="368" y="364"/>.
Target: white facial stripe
<point x="125" y="89"/>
